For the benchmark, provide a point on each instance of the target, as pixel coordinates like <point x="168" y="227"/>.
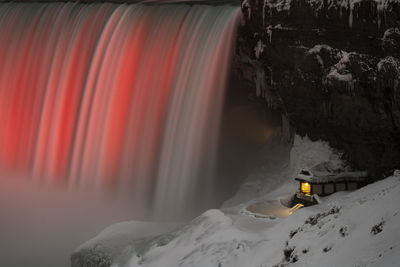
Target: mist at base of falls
<point x="42" y="223"/>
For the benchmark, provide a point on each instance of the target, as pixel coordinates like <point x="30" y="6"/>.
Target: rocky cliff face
<point x="333" y="68"/>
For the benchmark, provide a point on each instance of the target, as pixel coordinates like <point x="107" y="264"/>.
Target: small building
<point x="325" y="179"/>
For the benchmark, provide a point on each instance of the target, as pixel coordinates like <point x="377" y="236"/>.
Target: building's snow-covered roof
<point x="331" y="171"/>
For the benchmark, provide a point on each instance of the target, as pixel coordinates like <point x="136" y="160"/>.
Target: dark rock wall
<point x="333" y="68"/>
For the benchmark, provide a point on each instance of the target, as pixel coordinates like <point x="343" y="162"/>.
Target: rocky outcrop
<point x="333" y="68"/>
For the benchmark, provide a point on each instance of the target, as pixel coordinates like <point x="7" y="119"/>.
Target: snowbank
<point x="350" y="229"/>
<point x="117" y="242"/>
<point x="360" y="228"/>
<point x="356" y="229"/>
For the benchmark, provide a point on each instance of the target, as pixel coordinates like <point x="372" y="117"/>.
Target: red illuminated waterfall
<point x="126" y="97"/>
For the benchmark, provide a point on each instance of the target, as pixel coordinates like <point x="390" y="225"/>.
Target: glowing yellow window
<point x="306" y="188"/>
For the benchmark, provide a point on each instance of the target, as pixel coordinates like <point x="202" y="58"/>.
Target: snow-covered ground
<point x="360" y="228"/>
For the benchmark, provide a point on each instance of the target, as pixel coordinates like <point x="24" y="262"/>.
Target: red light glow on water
<point x="125" y="97"/>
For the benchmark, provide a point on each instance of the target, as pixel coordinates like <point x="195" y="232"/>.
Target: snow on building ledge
<point x="327" y="178"/>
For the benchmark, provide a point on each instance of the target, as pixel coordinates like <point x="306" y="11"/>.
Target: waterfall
<point x="123" y="98"/>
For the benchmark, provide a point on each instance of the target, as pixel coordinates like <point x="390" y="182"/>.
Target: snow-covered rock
<point x="117" y="242"/>
<point x="359" y="228"/>
<point x="350" y="229"/>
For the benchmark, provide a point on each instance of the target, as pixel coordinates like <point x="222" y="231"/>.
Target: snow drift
<point x="359" y="228"/>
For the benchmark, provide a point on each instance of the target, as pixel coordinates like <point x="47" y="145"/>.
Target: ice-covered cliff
<point x="333" y="68"/>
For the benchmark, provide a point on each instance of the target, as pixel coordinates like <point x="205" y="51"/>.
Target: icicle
<point x="263" y="12"/>
<point x="269" y="33"/>
<point x="259" y="49"/>
<point x="351" y="6"/>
